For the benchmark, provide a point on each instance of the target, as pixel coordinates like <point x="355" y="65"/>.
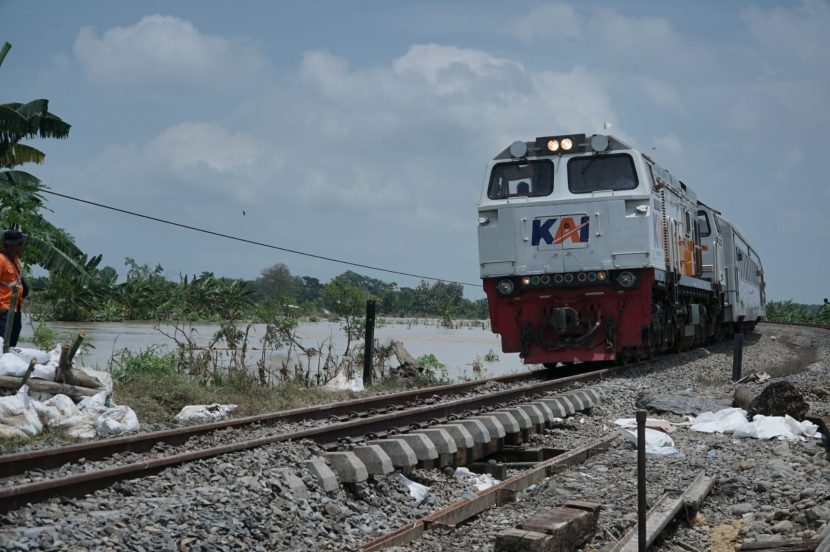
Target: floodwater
<point x="456" y="348"/>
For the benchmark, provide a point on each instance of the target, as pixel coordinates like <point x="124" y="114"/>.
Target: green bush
<point x="129" y="366"/>
<point x="44" y="337"/>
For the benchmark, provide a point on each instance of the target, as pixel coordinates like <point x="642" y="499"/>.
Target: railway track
<point x="381" y="419"/>
<point x="346" y="422"/>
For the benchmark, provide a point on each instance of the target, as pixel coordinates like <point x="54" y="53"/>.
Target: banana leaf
<point x="3" y="51"/>
<point x="17" y="154"/>
<point x="53" y="259"/>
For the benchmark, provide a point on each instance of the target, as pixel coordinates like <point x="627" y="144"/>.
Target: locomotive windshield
<point x="601" y="172"/>
<point x="534" y="178"/>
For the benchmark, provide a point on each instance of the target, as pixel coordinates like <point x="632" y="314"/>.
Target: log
<point x="59" y="375"/>
<point x="787" y="546"/>
<point x="42" y="386"/>
<point x="408" y="364"/>
<point x="663" y="512"/>
<point x="28" y="373"/>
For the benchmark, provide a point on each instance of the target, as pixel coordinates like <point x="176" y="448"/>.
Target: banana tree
<point x="20" y="198"/>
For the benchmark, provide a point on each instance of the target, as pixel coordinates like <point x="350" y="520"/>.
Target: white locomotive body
<point x="590" y="251"/>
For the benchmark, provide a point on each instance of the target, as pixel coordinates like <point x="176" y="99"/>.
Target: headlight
<point x="526" y="280"/>
<point x="506" y="287"/>
<point x="567" y="144"/>
<point x="553" y="145"/>
<point x="626" y="279"/>
<point x="601" y="276"/>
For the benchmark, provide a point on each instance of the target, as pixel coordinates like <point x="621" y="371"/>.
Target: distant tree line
<point x="787" y="311"/>
<point x="148" y="294"/>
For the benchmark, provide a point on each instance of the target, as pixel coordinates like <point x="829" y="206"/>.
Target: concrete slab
<point x="575" y="399"/>
<point x="323" y="474"/>
<point x="521" y="417"/>
<point x="535" y="415"/>
<point x="492" y="424"/>
<point x="444" y="444"/>
<point x="477" y="430"/>
<point x="463" y="438"/>
<point x="547" y="413"/>
<point x="507" y="420"/>
<point x="347" y="466"/>
<point x="421" y="444"/>
<point x="556" y="406"/>
<point x="399" y="452"/>
<point x="295" y="485"/>
<point x="376" y="461"/>
<point x="594" y="393"/>
<point x="569" y="405"/>
<point x="441" y="439"/>
<point x="587" y="396"/>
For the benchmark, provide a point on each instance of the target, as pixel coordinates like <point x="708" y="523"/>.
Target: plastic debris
<point x="479" y="481"/>
<point x="18" y="411"/>
<point x="416" y="490"/>
<point x="770" y="427"/>
<point x="657" y="442"/>
<point x="722" y="421"/>
<point x="197" y="413"/>
<point x="340" y="383"/>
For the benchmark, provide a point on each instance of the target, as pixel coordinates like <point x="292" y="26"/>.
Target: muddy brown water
<point x="456" y="348"/>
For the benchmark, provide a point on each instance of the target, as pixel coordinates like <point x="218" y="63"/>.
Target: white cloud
<point x="198" y="156"/>
<point x="798" y="34"/>
<point x="555" y="20"/>
<point x="165" y="49"/>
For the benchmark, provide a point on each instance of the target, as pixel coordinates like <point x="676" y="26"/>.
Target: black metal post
<point x="738" y="356"/>
<point x="369" y="350"/>
<point x="642" y="505"/>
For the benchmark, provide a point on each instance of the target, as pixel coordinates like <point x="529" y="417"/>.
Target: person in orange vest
<point x="10" y="276"/>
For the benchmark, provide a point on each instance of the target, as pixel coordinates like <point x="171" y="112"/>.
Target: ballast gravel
<point x="765" y="490"/>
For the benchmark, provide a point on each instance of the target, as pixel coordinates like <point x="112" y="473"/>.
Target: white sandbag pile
<point x="341" y="383"/>
<point x="20" y="416"/>
<point x="202" y="412"/>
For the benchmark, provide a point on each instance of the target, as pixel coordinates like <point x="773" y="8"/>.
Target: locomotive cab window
<point x="601" y="173"/>
<point x="521" y="179"/>
<point x="703" y="222"/>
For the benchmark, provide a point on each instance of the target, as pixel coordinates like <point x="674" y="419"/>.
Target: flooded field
<point x="456" y="348"/>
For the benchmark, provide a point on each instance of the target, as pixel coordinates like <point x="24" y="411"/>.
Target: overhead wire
<point x="252" y="242"/>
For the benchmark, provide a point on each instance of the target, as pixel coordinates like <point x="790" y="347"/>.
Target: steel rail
<point x="15" y="464"/>
<point x="375" y="426"/>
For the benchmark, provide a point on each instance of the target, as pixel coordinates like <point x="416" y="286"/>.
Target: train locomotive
<point x="591" y="251"/>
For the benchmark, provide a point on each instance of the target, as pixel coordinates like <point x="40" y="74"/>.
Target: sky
<point x="361" y="130"/>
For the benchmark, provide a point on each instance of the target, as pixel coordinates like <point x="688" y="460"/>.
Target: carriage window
<point x="601" y="172"/>
<point x="703" y="221"/>
<point x="521" y="179"/>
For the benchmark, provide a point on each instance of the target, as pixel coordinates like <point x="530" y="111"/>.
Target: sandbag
<point x="59" y="406"/>
<point x="198" y="413"/>
<point x="13" y="365"/>
<point x="116" y="421"/>
<point x="45" y="371"/>
<point x="19" y="411"/>
<point x="95" y="404"/>
<point x="41" y="357"/>
<point x="9" y="432"/>
<point x="83" y="425"/>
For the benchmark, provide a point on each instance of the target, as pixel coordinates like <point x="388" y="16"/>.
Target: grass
<point x="151" y="384"/>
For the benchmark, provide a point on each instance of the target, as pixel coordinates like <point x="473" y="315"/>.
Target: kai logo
<point x="560" y="230"/>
